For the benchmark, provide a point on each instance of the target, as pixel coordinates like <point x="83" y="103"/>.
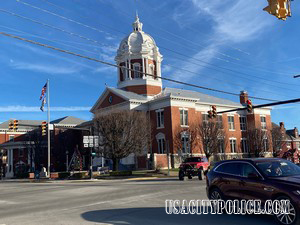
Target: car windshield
<point x="278" y="168"/>
<point x="196" y="159"/>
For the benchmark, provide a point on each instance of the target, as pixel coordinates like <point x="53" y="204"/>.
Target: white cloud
<point x="18" y="108"/>
<point x="43" y="68"/>
<point x="166" y="68"/>
<point x="235" y="20"/>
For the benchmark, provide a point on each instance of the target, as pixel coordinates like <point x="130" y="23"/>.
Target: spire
<point x="137" y="25"/>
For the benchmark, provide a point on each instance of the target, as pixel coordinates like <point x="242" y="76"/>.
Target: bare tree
<point x="258" y="141"/>
<point x="35" y="144"/>
<point x="277" y="137"/>
<point x="191" y="133"/>
<point x="122" y="133"/>
<point x="212" y="136"/>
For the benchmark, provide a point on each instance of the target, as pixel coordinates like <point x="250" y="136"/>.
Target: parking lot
<point x="135" y="201"/>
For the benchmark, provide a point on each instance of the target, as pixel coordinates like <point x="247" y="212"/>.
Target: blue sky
<point x="231" y="45"/>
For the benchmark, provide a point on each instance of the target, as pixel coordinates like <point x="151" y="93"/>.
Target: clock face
<point x="110" y="99"/>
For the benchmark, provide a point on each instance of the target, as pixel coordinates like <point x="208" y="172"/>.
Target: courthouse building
<point x="170" y="108"/>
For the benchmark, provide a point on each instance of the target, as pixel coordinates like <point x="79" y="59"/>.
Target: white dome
<point x="137" y="43"/>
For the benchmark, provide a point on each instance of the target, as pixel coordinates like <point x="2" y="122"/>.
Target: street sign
<point x="90" y="141"/>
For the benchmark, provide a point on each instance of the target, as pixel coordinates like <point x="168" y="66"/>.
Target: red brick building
<point x="19" y="147"/>
<point x="169" y="108"/>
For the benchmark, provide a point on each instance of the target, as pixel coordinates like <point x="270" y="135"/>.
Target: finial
<point x="137" y="25"/>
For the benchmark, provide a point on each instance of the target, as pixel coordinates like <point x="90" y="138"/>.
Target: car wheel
<point x="181" y="175"/>
<point x="200" y="174"/>
<point x="215" y="194"/>
<point x="290" y="218"/>
<point x="190" y="177"/>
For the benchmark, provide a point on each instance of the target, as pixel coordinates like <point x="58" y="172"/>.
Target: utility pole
<point x="91" y="156"/>
<point x="49" y="147"/>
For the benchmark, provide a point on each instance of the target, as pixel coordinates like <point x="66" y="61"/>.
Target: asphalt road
<point x="108" y="202"/>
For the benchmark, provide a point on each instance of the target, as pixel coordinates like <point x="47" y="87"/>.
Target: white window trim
<point x="156" y="112"/>
<point x="247" y="146"/>
<point x="231" y="115"/>
<point x="242" y="116"/>
<point x="233" y="138"/>
<point x="264" y="122"/>
<point x="161" y="136"/>
<point x="184" y="109"/>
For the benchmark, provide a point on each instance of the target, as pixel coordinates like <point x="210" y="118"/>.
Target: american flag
<point x="43" y="103"/>
<point x="44" y="90"/>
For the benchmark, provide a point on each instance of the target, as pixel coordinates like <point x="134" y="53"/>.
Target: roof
<point x="127" y="94"/>
<point x="22" y="124"/>
<point x="68" y="120"/>
<point x="176" y="92"/>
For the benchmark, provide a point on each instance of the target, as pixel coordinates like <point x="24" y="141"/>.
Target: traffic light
<point x="44" y="128"/>
<point x="279" y="8"/>
<point x="249" y="106"/>
<point x="10" y="125"/>
<point x="214" y="111"/>
<point x="16" y="125"/>
<point x="210" y="114"/>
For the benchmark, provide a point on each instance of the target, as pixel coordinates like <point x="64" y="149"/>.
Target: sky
<point x="230" y="45"/>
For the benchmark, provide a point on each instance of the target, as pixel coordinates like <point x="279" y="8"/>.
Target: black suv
<point x="257" y="179"/>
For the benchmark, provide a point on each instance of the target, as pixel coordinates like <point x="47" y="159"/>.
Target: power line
<point x="72" y="46"/>
<point x="210" y="64"/>
<point x="54" y="27"/>
<point x="101" y="44"/>
<point x="117" y="66"/>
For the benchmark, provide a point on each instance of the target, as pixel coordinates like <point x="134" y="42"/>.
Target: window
<point x="185" y="140"/>
<point x="263" y="122"/>
<point x="11" y="138"/>
<point x="160" y="118"/>
<point x="183" y="117"/>
<point x="233" y="145"/>
<point x="137" y="68"/>
<point x="243" y="123"/>
<point x="244" y="146"/>
<point x="230" y="168"/>
<point x="205" y="118"/>
<point x="231" y="122"/>
<point x="248" y="169"/>
<point x="221" y="146"/>
<point x="161" y="146"/>
<point x="219" y="121"/>
<point x="21" y="152"/>
<point x="124" y="72"/>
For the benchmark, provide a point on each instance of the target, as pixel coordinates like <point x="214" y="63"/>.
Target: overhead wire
<point x="117" y="66"/>
<point x="167" y="49"/>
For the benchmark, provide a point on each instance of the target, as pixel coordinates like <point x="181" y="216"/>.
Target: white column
<point x="130" y="67"/>
<point x="126" y="71"/>
<point x="143" y="67"/>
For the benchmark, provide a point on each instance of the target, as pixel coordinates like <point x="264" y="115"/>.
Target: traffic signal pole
<point x="263" y="105"/>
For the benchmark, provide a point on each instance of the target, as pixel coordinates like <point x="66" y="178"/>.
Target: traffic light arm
<point x="264" y="105"/>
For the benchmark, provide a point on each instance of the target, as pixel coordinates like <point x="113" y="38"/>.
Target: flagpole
<point x="48" y="104"/>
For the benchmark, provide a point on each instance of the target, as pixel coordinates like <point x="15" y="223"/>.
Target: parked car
<point x="193" y="166"/>
<point x="257" y="178"/>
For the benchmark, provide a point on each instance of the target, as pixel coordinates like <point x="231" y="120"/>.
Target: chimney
<point x="296" y="132"/>
<point x="243" y="97"/>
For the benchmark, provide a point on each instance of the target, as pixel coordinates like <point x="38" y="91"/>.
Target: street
<point x="134" y="201"/>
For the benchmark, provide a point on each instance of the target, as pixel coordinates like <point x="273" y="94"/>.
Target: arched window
<point x="151" y="67"/>
<point x="137" y="69"/>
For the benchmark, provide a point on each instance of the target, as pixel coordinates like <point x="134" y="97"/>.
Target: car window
<point x="278" y="168"/>
<point x="230" y="168"/>
<point x="247" y="169"/>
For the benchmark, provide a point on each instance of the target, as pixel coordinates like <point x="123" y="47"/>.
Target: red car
<point x="193" y="166"/>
